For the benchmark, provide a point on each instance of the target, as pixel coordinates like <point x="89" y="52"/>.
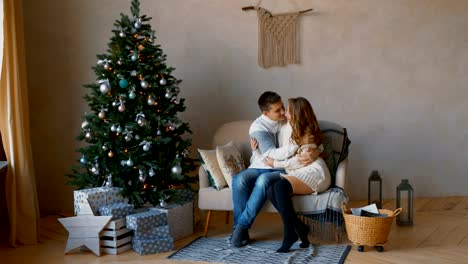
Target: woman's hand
<point x="269" y="161"/>
<point x="308" y="156"/>
<point x="253" y="143"/>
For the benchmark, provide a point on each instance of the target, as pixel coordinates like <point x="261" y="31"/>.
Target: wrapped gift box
<point x="96" y="197"/>
<point x="117" y="210"/>
<point x="145" y="221"/>
<point x="180" y="219"/>
<point x="156" y="232"/>
<point x="152" y="246"/>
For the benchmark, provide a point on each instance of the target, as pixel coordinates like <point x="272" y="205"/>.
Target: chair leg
<point x="227" y="217"/>
<point x="335" y="232"/>
<point x="207" y="223"/>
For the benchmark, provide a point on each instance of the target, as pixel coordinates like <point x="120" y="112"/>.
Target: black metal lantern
<point x="404" y="200"/>
<point x="374" y="190"/>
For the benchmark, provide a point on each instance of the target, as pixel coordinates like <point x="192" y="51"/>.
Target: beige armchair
<point x="221" y="200"/>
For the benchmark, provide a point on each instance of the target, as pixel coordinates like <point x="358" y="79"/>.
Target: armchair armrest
<point x="203" y="178"/>
<point x="341" y="173"/>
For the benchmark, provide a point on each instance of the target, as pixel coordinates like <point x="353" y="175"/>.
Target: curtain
<point x="21" y="193"/>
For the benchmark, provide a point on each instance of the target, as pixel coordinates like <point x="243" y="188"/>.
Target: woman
<point x="298" y="179"/>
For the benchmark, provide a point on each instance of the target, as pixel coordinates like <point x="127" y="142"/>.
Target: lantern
<point x="374" y="190"/>
<point x="404" y="200"/>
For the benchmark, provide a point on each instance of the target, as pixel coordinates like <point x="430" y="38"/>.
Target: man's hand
<point x="268" y="161"/>
<point x="308" y="156"/>
<point x="253" y="143"/>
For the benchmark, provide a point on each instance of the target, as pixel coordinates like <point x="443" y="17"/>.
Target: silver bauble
<point x="168" y="95"/>
<point x="122" y="107"/>
<point x="120" y="62"/>
<point x="128" y="137"/>
<point x="104" y="147"/>
<point x="142" y="178"/>
<point x="106" y="66"/>
<point x="104" y="87"/>
<point x="134" y="57"/>
<point x="158" y="133"/>
<point x="144" y="84"/>
<point x="88" y="135"/>
<point x="137" y="137"/>
<point x="94" y="170"/>
<point x="83" y="159"/>
<point x="137" y="24"/>
<point x="146" y="147"/>
<point x="133" y="73"/>
<point x="115" y="103"/>
<point x="176" y="102"/>
<point x="122" y="34"/>
<point x="141" y="122"/>
<point x="176" y="169"/>
<point x="131" y="95"/>
<point x="129" y="162"/>
<point x="162" y="81"/>
<point x="150" y="101"/>
<point x="151" y="172"/>
<point x="84" y="124"/>
<point x="119" y="129"/>
<point x="172" y="127"/>
<point x="102" y="115"/>
<point x="113" y="128"/>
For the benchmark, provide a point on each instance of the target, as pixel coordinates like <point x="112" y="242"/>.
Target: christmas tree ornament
<point x="168" y="95"/>
<point x="115" y="103"/>
<point x="84" y="124"/>
<point x="177" y="169"/>
<point x="176" y="102"/>
<point x="141" y="47"/>
<point x="142" y="178"/>
<point x="110" y="154"/>
<point x="107" y="66"/>
<point x="150" y="101"/>
<point x="137" y="24"/>
<point x="171" y="127"/>
<point x="113" y="128"/>
<point x="133" y="73"/>
<point x="137" y="137"/>
<point x="95" y="170"/>
<point x="104" y="87"/>
<point x="121" y="106"/>
<point x="104" y="147"/>
<point x="158" y="133"/>
<point x="128" y="136"/>
<point x="120" y="61"/>
<point x="144" y="84"/>
<point x="108" y="183"/>
<point x="134" y="57"/>
<point x="146" y="147"/>
<point x="123" y="83"/>
<point x="122" y="34"/>
<point x="129" y="162"/>
<point x="141" y="122"/>
<point x="83" y="159"/>
<point x="162" y="81"/>
<point x="102" y="114"/>
<point x="119" y="129"/>
<point x="88" y="135"/>
<point x="131" y="95"/>
<point x="151" y="172"/>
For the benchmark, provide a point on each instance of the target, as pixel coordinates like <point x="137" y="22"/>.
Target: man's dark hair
<point x="267" y="99"/>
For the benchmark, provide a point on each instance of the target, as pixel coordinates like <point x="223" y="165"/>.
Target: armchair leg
<point x="207" y="223"/>
<point x="227" y="217"/>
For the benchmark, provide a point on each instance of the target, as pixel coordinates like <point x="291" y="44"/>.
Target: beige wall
<point x="392" y="72"/>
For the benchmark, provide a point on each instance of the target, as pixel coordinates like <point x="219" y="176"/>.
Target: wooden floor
<point x="439" y="235"/>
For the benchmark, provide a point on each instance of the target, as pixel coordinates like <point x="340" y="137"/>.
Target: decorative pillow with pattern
<point x="230" y="161"/>
<point x="209" y="162"/>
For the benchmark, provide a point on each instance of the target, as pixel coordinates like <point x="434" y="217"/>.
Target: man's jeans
<point x="249" y="193"/>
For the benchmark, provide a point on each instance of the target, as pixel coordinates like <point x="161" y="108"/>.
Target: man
<point x="249" y="186"/>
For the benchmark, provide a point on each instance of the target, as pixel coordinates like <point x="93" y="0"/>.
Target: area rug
<point x="219" y="250"/>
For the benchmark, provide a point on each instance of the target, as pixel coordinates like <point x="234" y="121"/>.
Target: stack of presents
<point x="147" y="230"/>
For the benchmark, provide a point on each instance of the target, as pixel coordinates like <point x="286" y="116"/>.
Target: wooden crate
<point x="115" y="238"/>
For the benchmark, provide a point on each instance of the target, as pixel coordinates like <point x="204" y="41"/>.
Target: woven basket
<point x="369" y="231"/>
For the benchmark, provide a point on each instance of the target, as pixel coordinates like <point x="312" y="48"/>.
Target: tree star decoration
<point x="84" y="229"/>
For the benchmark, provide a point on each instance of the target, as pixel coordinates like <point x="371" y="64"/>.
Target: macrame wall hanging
<point x="277" y="37"/>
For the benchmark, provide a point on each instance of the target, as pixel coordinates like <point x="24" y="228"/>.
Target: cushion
<point x="209" y="162"/>
<point x="230" y="161"/>
<point x="329" y="157"/>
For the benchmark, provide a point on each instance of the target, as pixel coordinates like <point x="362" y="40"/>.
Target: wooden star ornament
<point x="84" y="229"/>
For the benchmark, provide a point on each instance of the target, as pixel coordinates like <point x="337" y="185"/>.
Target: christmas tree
<point x="133" y="136"/>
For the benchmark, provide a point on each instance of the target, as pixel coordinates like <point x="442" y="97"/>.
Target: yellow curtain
<point x="22" y="202"/>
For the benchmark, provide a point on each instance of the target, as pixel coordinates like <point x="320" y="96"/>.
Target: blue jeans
<point x="249" y="193"/>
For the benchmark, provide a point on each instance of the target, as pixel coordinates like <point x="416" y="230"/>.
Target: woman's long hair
<point x="305" y="127"/>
